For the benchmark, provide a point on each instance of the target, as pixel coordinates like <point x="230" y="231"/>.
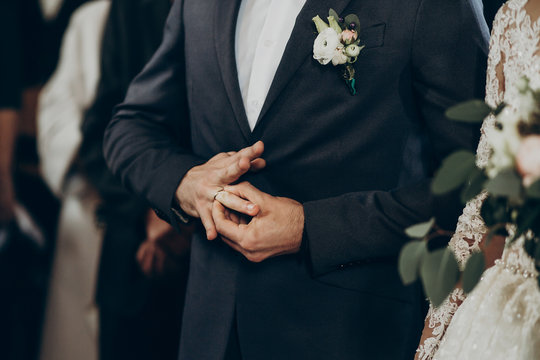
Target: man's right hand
<point x="198" y="188"/>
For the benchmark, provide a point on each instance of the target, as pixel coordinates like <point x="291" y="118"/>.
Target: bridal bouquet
<point x="510" y="184"/>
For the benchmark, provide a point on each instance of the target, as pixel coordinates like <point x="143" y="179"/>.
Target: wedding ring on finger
<point x="217" y="193"/>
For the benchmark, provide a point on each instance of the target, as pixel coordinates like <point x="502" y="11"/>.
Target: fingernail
<point x="251" y="207"/>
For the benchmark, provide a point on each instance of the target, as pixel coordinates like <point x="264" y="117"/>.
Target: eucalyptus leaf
<point x="455" y="170"/>
<point x="473" y="111"/>
<point x="533" y="191"/>
<point x="429" y="272"/>
<point x="418" y="231"/>
<point x="352" y="18"/>
<point x="409" y="261"/>
<point x="473" y="271"/>
<point x="333" y="13"/>
<point x="448" y="273"/>
<point x="473" y="186"/>
<point x="333" y="22"/>
<point x="507" y="184"/>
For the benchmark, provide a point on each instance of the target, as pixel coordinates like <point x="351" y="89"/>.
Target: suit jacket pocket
<point x="373" y="36"/>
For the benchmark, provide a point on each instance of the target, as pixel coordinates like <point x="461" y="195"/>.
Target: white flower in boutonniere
<point x="338" y="42"/>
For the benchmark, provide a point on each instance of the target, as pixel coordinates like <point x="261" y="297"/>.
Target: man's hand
<point x="276" y="230"/>
<point x="199" y="187"/>
<point x="163" y="245"/>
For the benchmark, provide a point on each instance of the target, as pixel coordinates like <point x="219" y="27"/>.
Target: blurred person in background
<point x="144" y="262"/>
<point x="30" y="33"/>
<point x="70" y="328"/>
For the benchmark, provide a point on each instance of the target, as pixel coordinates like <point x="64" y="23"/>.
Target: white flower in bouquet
<point x="528" y="159"/>
<point x="527" y="106"/>
<point x="327" y="46"/>
<point x="504" y="140"/>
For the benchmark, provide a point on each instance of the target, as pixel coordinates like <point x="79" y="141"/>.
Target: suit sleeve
<point x="142" y="143"/>
<point x="447" y="67"/>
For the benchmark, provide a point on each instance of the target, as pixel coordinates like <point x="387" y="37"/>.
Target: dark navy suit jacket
<point x="359" y="164"/>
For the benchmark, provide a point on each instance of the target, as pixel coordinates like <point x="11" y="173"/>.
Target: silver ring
<point x="217" y="193"/>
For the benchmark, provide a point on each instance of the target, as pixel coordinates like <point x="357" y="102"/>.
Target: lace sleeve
<point x="470" y="229"/>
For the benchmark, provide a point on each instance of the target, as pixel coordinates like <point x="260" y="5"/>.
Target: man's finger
<point x="236" y="203"/>
<point x="225" y="226"/>
<point x="234" y="170"/>
<point x="258" y="164"/>
<point x="209" y="226"/>
<point x="246" y="191"/>
<point x="252" y="152"/>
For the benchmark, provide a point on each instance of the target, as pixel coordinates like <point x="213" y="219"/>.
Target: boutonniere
<point x="338" y="42"/>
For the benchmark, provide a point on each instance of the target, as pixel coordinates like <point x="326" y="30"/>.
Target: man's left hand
<point x="276" y="230"/>
<point x="163" y="246"/>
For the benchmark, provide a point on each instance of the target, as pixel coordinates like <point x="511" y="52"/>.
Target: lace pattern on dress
<point x="513" y="49"/>
<point x="439" y="319"/>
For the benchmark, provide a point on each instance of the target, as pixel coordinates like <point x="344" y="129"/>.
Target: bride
<point x="500" y="319"/>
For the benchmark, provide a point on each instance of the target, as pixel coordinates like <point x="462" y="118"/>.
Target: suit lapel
<point x="300" y="45"/>
<point x="225" y="20"/>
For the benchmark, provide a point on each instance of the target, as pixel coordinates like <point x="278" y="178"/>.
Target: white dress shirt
<point x="262" y="32"/>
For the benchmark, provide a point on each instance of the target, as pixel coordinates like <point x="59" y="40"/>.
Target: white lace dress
<point x="500" y="319"/>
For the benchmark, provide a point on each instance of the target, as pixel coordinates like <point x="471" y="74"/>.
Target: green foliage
<point x="506" y="184"/>
<point x="528" y="218"/>
<point x="439" y="272"/>
<point x="455" y="171"/>
<point x="533" y="191"/>
<point x="352" y="18"/>
<point x="495" y="211"/>
<point x="333" y="13"/>
<point x="409" y="261"/>
<point x="473" y="271"/>
<point x="473" y="111"/>
<point x="474" y="185"/>
<point x="418" y="231"/>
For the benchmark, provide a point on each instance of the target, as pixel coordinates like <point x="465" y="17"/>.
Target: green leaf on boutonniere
<point x="440" y="273"/>
<point x="474" y="185"/>
<point x="455" y="170"/>
<point x="320" y="24"/>
<point x="334" y="24"/>
<point x="533" y="191"/>
<point x="473" y="271"/>
<point x="352" y="18"/>
<point x="474" y="111"/>
<point x="506" y="184"/>
<point x="409" y="261"/>
<point x="419" y="231"/>
<point x="333" y="13"/>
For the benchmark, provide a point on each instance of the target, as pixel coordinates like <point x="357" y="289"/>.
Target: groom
<point x="301" y="189"/>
